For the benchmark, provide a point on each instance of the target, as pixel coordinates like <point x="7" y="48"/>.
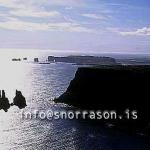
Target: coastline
<point x="112" y="88"/>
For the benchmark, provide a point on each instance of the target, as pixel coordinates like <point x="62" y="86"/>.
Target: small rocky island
<point x="4" y="102"/>
<point x="19" y="100"/>
<point x="16" y="59"/>
<point x="84" y="60"/>
<point x="112" y="88"/>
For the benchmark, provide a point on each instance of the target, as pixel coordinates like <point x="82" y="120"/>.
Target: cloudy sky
<point x="79" y="25"/>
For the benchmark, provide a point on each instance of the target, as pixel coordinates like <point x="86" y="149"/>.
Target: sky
<point x="102" y="26"/>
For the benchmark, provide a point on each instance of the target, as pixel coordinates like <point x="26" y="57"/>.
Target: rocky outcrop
<point x="36" y="59"/>
<point x="19" y="100"/>
<point x="112" y="88"/>
<point x="4" y="102"/>
<point x="16" y="59"/>
<point x="84" y="60"/>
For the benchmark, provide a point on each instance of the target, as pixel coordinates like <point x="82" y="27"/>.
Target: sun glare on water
<point x="13" y="74"/>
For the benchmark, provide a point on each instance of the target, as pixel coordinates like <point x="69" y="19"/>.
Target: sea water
<point x="40" y="83"/>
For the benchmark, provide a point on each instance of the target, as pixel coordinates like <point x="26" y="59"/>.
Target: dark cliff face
<point x="110" y="88"/>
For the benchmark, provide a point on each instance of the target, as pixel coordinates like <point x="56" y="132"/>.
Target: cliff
<point x="111" y="88"/>
<point x="84" y="60"/>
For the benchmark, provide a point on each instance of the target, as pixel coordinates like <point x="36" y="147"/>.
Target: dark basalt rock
<point x="112" y="88"/>
<point x="36" y="59"/>
<point x="4" y="102"/>
<point x="16" y="59"/>
<point x="19" y="100"/>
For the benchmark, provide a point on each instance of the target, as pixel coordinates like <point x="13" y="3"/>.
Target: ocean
<point x="40" y="83"/>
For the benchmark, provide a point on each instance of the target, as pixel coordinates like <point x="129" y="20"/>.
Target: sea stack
<point x="4" y="102"/>
<point x="19" y="100"/>
<point x="36" y="60"/>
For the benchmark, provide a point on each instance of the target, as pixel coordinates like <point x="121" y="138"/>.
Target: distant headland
<point x="84" y="60"/>
<point x="75" y="59"/>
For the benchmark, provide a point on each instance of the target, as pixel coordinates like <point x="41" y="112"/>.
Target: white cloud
<point x="32" y="13"/>
<point x="94" y="16"/>
<point x="13" y="4"/>
<point x="139" y="32"/>
<point x="15" y="24"/>
<point x="69" y="8"/>
<point x="3" y="15"/>
<point x="36" y="9"/>
<point x="32" y="8"/>
<point x="66" y="2"/>
<point x="39" y="3"/>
